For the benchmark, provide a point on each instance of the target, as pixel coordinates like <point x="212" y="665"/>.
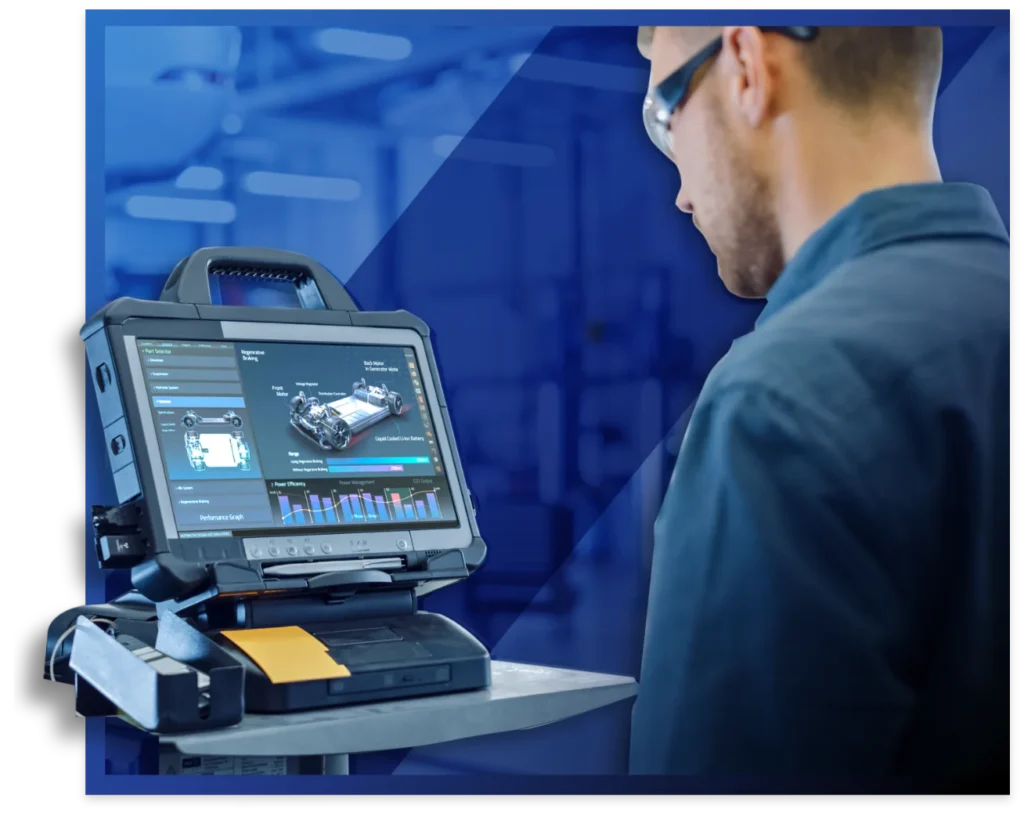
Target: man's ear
<point x="751" y="85"/>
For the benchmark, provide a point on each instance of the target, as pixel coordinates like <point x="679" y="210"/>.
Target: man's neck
<point x="823" y="172"/>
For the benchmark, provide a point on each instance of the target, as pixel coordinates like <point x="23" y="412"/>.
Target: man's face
<point x="716" y="155"/>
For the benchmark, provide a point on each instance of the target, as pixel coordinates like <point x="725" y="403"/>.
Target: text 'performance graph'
<point x="361" y="507"/>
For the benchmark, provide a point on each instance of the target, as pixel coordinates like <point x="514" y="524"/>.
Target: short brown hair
<point x="861" y="65"/>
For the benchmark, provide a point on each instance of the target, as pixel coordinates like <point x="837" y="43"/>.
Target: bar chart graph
<point x="409" y="504"/>
<point x="359" y="507"/>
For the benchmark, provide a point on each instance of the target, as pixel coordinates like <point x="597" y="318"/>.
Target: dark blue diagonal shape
<point x="959" y="43"/>
<point x="532" y="253"/>
<point x="575" y="311"/>
<point x="464" y="260"/>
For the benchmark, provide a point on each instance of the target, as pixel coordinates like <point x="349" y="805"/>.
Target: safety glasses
<point x="672" y="93"/>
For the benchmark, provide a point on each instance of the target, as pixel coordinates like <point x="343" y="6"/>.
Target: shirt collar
<point x="880" y="218"/>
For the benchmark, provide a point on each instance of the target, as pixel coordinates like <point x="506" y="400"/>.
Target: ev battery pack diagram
<point x="333" y="424"/>
<point x="215" y="450"/>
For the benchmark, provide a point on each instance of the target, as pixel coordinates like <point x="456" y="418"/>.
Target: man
<point x="829" y="595"/>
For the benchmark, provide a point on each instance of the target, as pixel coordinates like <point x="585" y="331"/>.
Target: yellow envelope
<point x="287" y="654"/>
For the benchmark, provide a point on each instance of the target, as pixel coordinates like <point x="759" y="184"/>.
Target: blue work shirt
<point x="830" y="588"/>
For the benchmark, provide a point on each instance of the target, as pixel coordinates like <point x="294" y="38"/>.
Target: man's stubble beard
<point x="747" y="243"/>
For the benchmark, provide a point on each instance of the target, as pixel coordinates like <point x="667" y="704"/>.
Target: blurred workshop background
<point x="497" y="182"/>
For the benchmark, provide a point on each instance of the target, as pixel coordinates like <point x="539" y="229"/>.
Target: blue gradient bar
<point x="432" y="502"/>
<point x="421" y="510"/>
<point x="198" y="402"/>
<point x="380" y="461"/>
<point x="365" y="469"/>
<point x="300" y="514"/>
<point x="318" y="515"/>
<point x="382" y="510"/>
<point x="346" y="510"/>
<point x="368" y="506"/>
<point x="329" y="509"/>
<point x="408" y="513"/>
<point x="286" y="508"/>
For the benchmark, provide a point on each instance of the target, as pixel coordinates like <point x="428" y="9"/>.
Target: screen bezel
<point x="460" y="536"/>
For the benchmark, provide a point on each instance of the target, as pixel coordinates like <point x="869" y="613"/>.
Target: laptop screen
<point x="263" y="437"/>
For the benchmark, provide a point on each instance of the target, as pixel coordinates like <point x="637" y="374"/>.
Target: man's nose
<point x="683" y="202"/>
